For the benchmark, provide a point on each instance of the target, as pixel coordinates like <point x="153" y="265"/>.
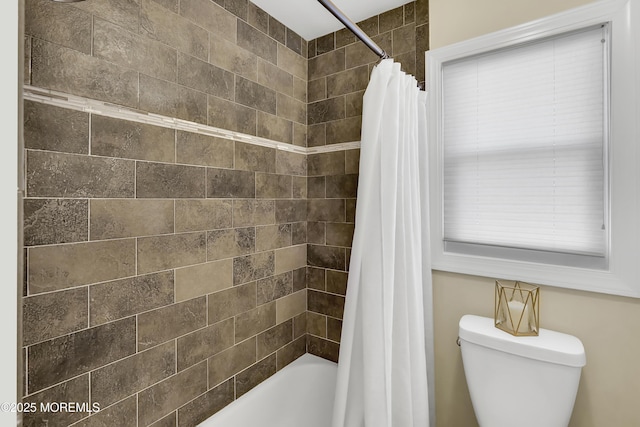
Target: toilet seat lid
<point x="548" y="346"/>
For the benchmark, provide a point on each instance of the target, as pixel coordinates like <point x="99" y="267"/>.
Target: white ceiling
<point x="311" y="20"/>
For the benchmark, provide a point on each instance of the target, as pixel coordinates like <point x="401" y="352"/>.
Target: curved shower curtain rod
<point x="354" y="28"/>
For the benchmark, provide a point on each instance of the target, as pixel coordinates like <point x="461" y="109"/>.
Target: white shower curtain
<point x="382" y="369"/>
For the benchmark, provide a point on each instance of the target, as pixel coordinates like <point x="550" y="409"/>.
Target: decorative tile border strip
<point x="101" y="108"/>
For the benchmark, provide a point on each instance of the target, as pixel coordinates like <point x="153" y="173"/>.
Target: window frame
<point x="622" y="274"/>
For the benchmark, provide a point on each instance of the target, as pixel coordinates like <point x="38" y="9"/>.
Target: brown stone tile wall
<point x="146" y="275"/>
<point x="227" y="65"/>
<point x="331" y="189"/>
<point x="166" y="270"/>
<point x="170" y="272"/>
<point x="339" y="70"/>
<point x="340" y="65"/>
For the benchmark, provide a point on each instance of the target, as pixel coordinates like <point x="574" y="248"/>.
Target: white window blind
<point x="524" y="146"/>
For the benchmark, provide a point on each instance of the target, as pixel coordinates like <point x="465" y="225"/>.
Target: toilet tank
<point x="520" y="381"/>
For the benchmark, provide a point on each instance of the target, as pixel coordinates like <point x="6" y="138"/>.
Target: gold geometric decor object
<point x="517" y="308"/>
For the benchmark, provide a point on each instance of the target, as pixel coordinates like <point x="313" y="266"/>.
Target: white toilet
<point x="520" y="381"/>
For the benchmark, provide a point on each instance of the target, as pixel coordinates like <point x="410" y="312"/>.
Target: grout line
<point x="93" y="37"/>
<point x="90" y="396"/>
<point x="137" y="406"/>
<point x="135" y="179"/>
<point x="137" y="325"/>
<point x="175" y="146"/>
<point x="90" y="139"/>
<point x="135" y="257"/>
<point x="25" y="355"/>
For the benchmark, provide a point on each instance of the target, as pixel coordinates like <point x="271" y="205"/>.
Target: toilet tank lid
<point x="548" y="346"/>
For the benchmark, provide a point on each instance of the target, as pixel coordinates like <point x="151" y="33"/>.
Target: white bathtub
<point x="300" y="394"/>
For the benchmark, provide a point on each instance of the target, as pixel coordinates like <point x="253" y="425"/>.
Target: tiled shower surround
<point x="169" y="272"/>
<point x="339" y="70"/>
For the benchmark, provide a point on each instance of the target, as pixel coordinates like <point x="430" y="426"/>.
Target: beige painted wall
<point x="608" y="326"/>
<point x="452" y="21"/>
